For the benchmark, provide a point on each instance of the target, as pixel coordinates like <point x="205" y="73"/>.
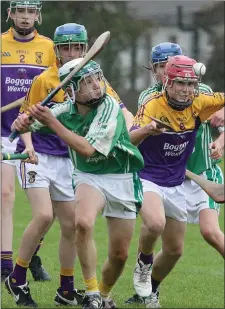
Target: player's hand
<point x="217" y="119"/>
<point x="42" y="114"/>
<point x="151" y="129"/>
<point x="21" y="123"/>
<point x="216" y="150"/>
<point x="33" y="158"/>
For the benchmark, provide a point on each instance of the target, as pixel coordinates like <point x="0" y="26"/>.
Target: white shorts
<point x="52" y="172"/>
<point x="198" y="199"/>
<point x="9" y="147"/>
<point x="174" y="199"/>
<point x="122" y="192"/>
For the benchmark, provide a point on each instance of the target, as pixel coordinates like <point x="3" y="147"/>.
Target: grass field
<point x="196" y="282"/>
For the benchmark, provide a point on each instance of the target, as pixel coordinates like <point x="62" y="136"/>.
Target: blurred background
<point x="136" y="26"/>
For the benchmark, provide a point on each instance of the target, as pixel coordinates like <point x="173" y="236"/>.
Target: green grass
<point x="196" y="282"/>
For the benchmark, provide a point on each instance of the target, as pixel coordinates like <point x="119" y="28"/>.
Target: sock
<point x="6" y="260"/>
<point x="67" y="280"/>
<point x="146" y="259"/>
<point x="91" y="285"/>
<point x="38" y="246"/>
<point x="104" y="289"/>
<point x="155" y="285"/>
<point x="19" y="274"/>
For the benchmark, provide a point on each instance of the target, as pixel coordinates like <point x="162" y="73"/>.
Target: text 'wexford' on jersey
<point x="166" y="155"/>
<point x="22" y="60"/>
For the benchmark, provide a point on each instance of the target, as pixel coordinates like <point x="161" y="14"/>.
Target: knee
<point x="44" y="220"/>
<point x="155" y="227"/>
<point x="175" y="251"/>
<point x="68" y="229"/>
<point x="8" y="198"/>
<point x="119" y="256"/>
<point x="83" y="226"/>
<point x="209" y="234"/>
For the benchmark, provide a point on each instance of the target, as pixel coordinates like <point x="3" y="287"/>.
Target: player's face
<point x="182" y="91"/>
<point x="24" y="17"/>
<point x="159" y="69"/>
<point x="69" y="52"/>
<point x="91" y="87"/>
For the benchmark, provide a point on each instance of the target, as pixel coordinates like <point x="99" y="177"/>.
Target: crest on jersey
<point x="39" y="57"/>
<point x="32" y="175"/>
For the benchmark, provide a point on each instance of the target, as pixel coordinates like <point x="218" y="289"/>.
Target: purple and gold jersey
<point x="21" y="62"/>
<point x="113" y="93"/>
<point x="41" y="86"/>
<point x="166" y="155"/>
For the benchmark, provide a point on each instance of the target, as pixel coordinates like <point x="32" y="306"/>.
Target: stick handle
<point x="14" y="104"/>
<point x="14" y="156"/>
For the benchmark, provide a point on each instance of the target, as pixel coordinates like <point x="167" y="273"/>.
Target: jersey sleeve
<point x="52" y="56"/>
<point x="210" y="103"/>
<point x="33" y="95"/>
<point x="106" y="127"/>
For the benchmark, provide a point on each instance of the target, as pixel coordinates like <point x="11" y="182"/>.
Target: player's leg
<point x="210" y="229"/>
<point x="8" y="172"/>
<point x="42" y="216"/>
<point x="88" y="202"/>
<point x="66" y="294"/>
<point x="153" y="217"/>
<point x="8" y="198"/>
<point x="172" y="240"/>
<point x="62" y="195"/>
<point x="120" y="232"/>
<point x="124" y="197"/>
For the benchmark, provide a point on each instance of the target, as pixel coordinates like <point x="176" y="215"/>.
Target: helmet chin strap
<point x="23" y="31"/>
<point x="178" y="106"/>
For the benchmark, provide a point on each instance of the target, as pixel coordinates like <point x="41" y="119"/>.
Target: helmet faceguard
<point x="69" y="34"/>
<point x="180" y="82"/>
<point x="90" y="74"/>
<point x="160" y="54"/>
<point x="16" y="6"/>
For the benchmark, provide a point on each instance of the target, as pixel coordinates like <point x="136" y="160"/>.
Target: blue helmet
<point x="161" y="52"/>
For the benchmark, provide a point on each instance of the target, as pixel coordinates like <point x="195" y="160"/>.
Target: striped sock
<point x="6" y="260"/>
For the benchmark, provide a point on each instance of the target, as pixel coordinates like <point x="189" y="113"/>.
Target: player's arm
<point x="143" y="126"/>
<point x="217" y="147"/>
<point x="129" y="117"/>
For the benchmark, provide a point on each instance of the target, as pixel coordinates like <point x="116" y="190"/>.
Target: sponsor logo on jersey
<point x="22" y="51"/>
<point x="6" y="54"/>
<point x="18" y="84"/>
<point x="164" y="119"/>
<point x="175" y="150"/>
<point x="39" y="57"/>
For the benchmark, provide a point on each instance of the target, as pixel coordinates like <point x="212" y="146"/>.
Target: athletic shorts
<point x="52" y="172"/>
<point x="9" y="147"/>
<point x="123" y="193"/>
<point x="173" y="198"/>
<point x="198" y="199"/>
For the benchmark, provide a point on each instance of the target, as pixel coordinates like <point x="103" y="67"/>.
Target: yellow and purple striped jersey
<point x="21" y="61"/>
<point x="166" y="155"/>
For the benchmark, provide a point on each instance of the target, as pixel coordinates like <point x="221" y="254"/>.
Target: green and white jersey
<point x="104" y="127"/>
<point x="145" y="94"/>
<point x="199" y="160"/>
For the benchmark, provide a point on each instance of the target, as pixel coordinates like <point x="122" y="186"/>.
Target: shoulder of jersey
<point x="44" y="38"/>
<point x="152" y="96"/>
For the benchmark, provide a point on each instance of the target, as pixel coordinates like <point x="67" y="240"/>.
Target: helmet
<point x="180" y="68"/>
<point x="90" y="69"/>
<point x="161" y="53"/>
<point x="33" y="4"/>
<point x="70" y="33"/>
